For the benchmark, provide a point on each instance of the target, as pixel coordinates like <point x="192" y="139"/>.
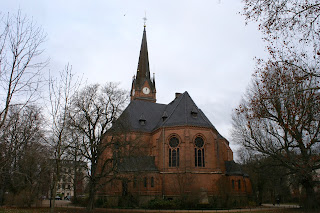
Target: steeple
<point x="143" y="70"/>
<point x="143" y="87"/>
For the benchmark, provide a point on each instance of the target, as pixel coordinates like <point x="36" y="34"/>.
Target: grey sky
<point x="202" y="47"/>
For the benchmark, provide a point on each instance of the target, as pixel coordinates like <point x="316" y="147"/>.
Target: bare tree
<point x="280" y="118"/>
<point x="286" y="18"/>
<point x="78" y="165"/>
<point x="183" y="182"/>
<point x="291" y="30"/>
<point x="23" y="156"/>
<point x="268" y="178"/>
<point x="20" y="67"/>
<point x="93" y="110"/>
<point x="61" y="90"/>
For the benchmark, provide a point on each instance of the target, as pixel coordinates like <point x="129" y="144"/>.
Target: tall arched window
<point x="199" y="152"/>
<point x="174" y="152"/>
<point x="145" y="182"/>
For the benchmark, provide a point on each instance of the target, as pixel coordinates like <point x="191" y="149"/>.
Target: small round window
<point x="199" y="142"/>
<point x="174" y="142"/>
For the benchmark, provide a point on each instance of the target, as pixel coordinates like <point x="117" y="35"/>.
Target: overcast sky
<point x="202" y="47"/>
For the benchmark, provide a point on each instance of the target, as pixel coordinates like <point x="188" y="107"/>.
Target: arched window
<point x="145" y="182"/>
<point x="239" y="184"/>
<point x="199" y="152"/>
<point x="124" y="187"/>
<point x="134" y="182"/>
<point x="174" y="152"/>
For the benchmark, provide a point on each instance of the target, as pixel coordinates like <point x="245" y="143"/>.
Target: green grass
<point x="82" y="210"/>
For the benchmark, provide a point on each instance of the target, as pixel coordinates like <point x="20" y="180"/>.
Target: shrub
<point x="159" y="203"/>
<point x="81" y="200"/>
<point x="101" y="202"/>
<point x="23" y="199"/>
<point x="128" y="201"/>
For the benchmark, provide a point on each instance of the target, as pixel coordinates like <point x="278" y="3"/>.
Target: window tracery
<point x="199" y="160"/>
<point x="174" y="155"/>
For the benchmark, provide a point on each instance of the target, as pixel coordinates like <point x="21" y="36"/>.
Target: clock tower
<point x="143" y="86"/>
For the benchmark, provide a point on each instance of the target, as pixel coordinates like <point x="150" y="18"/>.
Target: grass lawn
<point x="82" y="210"/>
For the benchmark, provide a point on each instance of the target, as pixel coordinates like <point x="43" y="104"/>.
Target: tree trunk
<point x="310" y="202"/>
<point x="3" y="185"/>
<point x="1" y="194"/>
<point x="75" y="188"/>
<point x="55" y="180"/>
<point x="75" y="180"/>
<point x="76" y="167"/>
<point x="92" y="193"/>
<point x="53" y="195"/>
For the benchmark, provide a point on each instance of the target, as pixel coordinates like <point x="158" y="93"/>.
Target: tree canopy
<point x="280" y="118"/>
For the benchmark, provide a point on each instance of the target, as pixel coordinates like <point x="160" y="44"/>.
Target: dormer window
<point x="164" y="116"/>
<point x="194" y="112"/>
<point x="142" y="120"/>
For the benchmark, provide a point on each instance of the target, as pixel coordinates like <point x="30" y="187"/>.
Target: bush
<point x="159" y="203"/>
<point x="81" y="200"/>
<point x="101" y="202"/>
<point x="128" y="201"/>
<point x="23" y="199"/>
<point x="252" y="203"/>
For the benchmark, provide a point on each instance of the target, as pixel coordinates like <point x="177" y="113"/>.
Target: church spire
<point x="143" y="87"/>
<point x="143" y="70"/>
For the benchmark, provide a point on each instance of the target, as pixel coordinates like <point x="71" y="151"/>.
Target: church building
<point x="181" y="152"/>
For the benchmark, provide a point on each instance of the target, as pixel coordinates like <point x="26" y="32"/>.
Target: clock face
<point x="146" y="90"/>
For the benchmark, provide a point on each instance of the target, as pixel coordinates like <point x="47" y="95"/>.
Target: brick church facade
<point x="181" y="152"/>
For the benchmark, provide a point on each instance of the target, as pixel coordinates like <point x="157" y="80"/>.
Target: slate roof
<point x="137" y="164"/>
<point x="232" y="168"/>
<point x="179" y="113"/>
<point x="182" y="111"/>
<point x="151" y="112"/>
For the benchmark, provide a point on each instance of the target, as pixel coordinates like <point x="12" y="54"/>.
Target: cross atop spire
<point x="145" y="19"/>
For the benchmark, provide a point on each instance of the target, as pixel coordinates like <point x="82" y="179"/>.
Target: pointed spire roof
<point x="143" y="70"/>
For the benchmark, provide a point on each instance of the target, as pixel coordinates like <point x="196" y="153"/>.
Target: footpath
<point x="264" y="207"/>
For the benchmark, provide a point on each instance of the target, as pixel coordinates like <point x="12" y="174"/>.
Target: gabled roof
<point x="182" y="111"/>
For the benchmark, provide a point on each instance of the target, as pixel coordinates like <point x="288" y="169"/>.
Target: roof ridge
<point x="204" y="118"/>
<point x="173" y="108"/>
<point x="201" y="112"/>
<point x="185" y="109"/>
